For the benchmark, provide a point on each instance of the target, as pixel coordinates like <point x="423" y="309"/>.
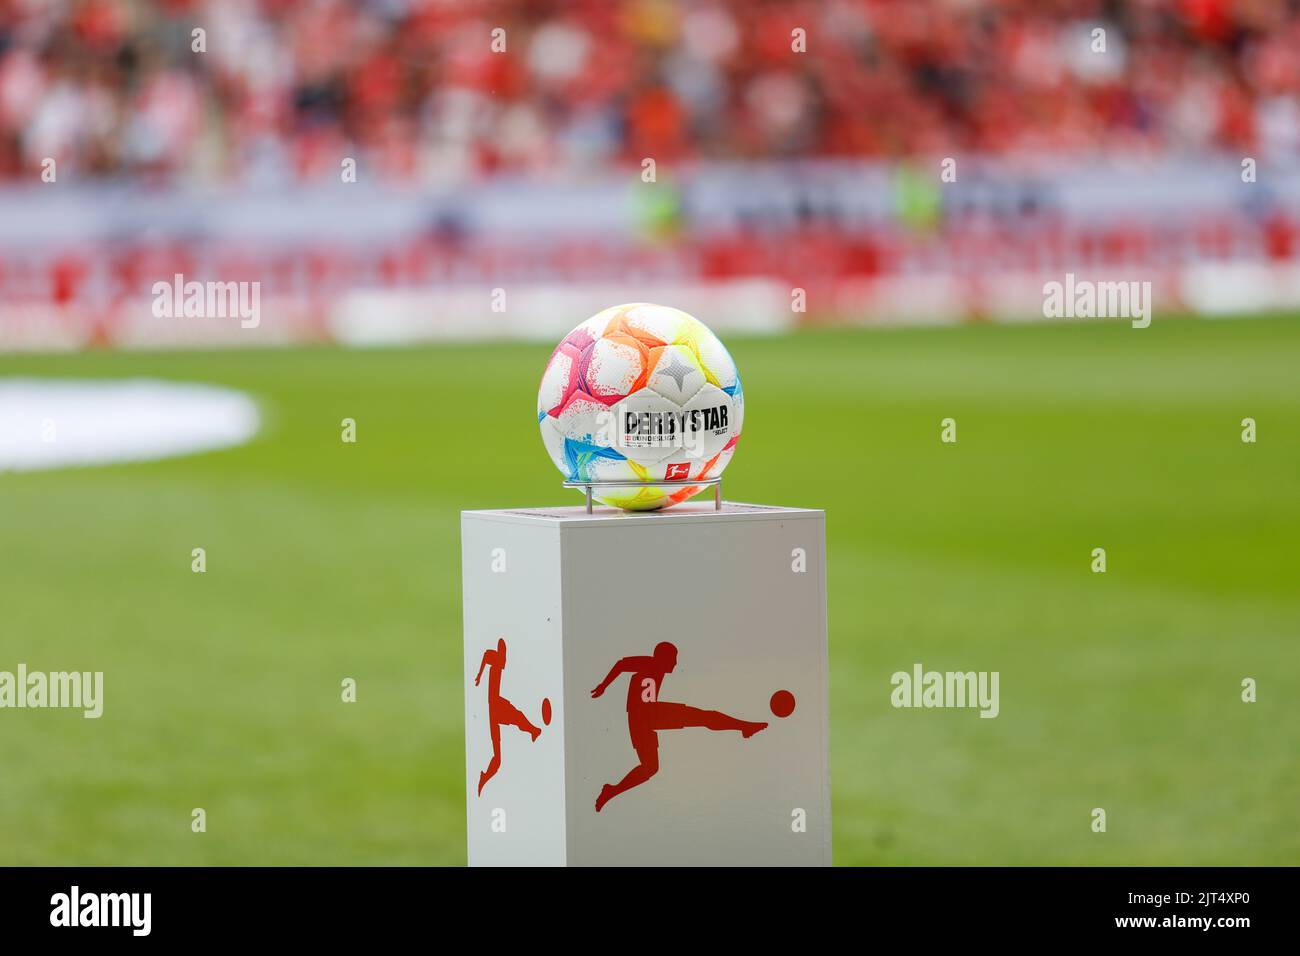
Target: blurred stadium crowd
<point x="112" y="88"/>
<point x="1170" y="156"/>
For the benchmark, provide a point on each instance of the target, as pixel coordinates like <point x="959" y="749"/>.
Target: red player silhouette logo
<point x="501" y="711"/>
<point x="647" y="715"/>
<point x="676" y="471"/>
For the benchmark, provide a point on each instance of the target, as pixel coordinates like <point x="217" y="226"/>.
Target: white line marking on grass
<point x="59" y="423"/>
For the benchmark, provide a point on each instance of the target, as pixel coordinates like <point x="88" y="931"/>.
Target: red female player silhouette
<point x="647" y="715"/>
<point x="500" y="710"/>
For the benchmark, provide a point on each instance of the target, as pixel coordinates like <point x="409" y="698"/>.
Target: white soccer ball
<point x="641" y="392"/>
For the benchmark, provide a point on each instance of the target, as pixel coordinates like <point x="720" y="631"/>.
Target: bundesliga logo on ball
<point x="641" y="393"/>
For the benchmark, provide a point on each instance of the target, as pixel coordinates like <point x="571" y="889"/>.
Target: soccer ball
<point x="641" y="392"/>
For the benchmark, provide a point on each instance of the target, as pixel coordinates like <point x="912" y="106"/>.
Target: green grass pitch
<point x="328" y="560"/>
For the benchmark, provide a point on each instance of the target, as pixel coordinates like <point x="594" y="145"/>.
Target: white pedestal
<point x="739" y="593"/>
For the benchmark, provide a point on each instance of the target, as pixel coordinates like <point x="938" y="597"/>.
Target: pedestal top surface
<point x="576" y="515"/>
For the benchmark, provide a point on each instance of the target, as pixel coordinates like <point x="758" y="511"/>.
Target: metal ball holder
<point x="716" y="482"/>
